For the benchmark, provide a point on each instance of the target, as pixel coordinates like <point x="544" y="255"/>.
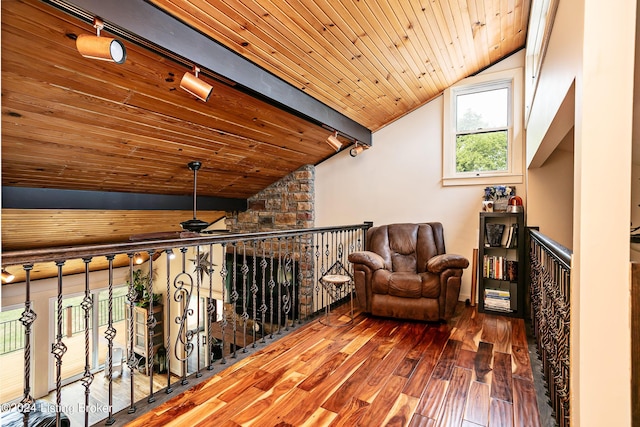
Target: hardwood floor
<point x="472" y="371"/>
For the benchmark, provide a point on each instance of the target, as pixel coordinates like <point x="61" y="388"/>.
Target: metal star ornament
<point x="202" y="264"/>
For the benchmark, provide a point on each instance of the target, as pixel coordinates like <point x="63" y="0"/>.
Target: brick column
<point x="285" y="205"/>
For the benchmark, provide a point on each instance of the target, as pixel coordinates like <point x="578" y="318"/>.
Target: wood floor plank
<point x="432" y="398"/>
<point x="500" y="413"/>
<point x="351" y="413"/>
<point x="401" y="411"/>
<point x="343" y="394"/>
<point x="525" y="407"/>
<point x="383" y="402"/>
<point x="502" y="342"/>
<point x="406" y="367"/>
<point x="489" y="328"/>
<point x="221" y="413"/>
<point x="477" y="410"/>
<point x="321" y="417"/>
<point x="323" y="372"/>
<point x="518" y="332"/>
<point x="474" y="331"/>
<point x="501" y="385"/>
<point x="521" y="363"/>
<point x="483" y="361"/>
<point x="267" y="400"/>
<point x="276" y="413"/>
<point x="242" y="385"/>
<point x="421" y="421"/>
<point x="462" y="326"/>
<point x="455" y="400"/>
<point x="466" y="359"/>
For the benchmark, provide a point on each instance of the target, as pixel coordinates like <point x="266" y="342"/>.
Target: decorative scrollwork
<point x="183" y="284"/>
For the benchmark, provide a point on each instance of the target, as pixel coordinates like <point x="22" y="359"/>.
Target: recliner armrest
<point x="439" y="263"/>
<point x="368" y="258"/>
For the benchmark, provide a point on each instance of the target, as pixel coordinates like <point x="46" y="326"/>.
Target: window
<point x="482" y="138"/>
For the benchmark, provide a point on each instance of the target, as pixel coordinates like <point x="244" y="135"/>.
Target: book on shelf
<point x="497" y="299"/>
<point x="512" y="236"/>
<point x="499" y="268"/>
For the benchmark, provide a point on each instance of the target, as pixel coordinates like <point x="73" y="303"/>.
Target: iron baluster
<point x="28" y="317"/>
<point x="132" y="360"/>
<point x="245" y="316"/>
<point x="279" y="283"/>
<point x="211" y="311"/>
<point x="87" y="304"/>
<point x="223" y="321"/>
<point x="272" y="285"/>
<point x="254" y="295"/>
<point x="59" y="348"/>
<point x="263" y="306"/>
<point x="286" y="296"/>
<point x="110" y="334"/>
<point x="234" y="300"/>
<point x="199" y="277"/>
<point x="151" y="325"/>
<point x="167" y="349"/>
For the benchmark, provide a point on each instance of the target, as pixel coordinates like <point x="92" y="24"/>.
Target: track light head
<point x="102" y="48"/>
<point x="196" y="87"/>
<point x="334" y="142"/>
<point x="357" y="149"/>
<point x="6" y="276"/>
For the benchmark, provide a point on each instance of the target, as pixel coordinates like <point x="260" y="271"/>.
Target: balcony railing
<point x="551" y="317"/>
<point x="237" y="290"/>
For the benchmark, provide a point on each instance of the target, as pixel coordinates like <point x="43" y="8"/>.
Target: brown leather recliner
<point x="404" y="272"/>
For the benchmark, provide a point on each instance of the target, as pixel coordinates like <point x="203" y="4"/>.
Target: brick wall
<point x="285" y="205"/>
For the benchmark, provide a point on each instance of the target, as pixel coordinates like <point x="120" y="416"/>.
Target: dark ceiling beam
<point x="47" y="198"/>
<point x="157" y="27"/>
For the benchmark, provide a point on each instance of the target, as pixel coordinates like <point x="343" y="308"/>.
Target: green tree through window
<point x="479" y="145"/>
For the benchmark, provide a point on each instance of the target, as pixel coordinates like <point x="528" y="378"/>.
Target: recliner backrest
<point x="406" y="247"/>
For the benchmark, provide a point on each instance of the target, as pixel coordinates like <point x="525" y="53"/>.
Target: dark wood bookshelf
<point x="501" y="272"/>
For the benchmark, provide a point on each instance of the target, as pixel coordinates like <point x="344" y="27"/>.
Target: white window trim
<point x="514" y="172"/>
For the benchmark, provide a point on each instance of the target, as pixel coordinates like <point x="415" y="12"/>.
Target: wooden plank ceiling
<point x="73" y="123"/>
<point x="372" y="60"/>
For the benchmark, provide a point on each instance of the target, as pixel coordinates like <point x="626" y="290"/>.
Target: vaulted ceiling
<point x="303" y="68"/>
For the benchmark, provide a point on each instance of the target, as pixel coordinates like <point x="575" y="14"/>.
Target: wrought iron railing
<point x="270" y="283"/>
<point x="551" y="317"/>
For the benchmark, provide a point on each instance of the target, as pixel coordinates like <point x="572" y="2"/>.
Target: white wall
<point x="550" y="194"/>
<point x="399" y="180"/>
<point x="592" y="45"/>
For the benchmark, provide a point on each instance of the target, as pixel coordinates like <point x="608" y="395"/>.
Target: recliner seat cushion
<point x="407" y="285"/>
